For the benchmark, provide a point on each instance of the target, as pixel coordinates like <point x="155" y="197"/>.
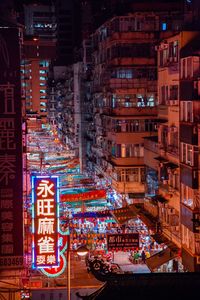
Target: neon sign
<point x="45" y="222"/>
<point x="64" y="246"/>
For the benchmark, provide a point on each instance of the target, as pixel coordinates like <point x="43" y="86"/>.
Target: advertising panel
<point x="11" y="187"/>
<point x="123" y="241"/>
<point x="45" y="221"/>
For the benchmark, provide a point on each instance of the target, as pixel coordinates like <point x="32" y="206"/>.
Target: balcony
<point x="126" y="161"/>
<point x="128" y="187"/>
<point x="119" y="36"/>
<point x="173" y="150"/>
<point x="122" y="61"/>
<point x="151" y="144"/>
<point x="142" y="83"/>
<point x="135" y="111"/>
<point x="163" y="111"/>
<point x="189" y="90"/>
<point x="189" y="176"/>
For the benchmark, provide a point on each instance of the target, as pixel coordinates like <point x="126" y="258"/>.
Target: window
<point x="187" y="195"/>
<point x="183" y="68"/>
<point x="42" y="78"/>
<point x="187" y="154"/>
<point x="44" y="63"/>
<point x="130" y="150"/>
<point x="150" y="125"/>
<point x="186" y="111"/>
<point x="127" y="74"/>
<point x="129" y="175"/>
<point x="164" y="94"/>
<point x="174" y="180"/>
<point x="173" y="92"/>
<point x="42" y="72"/>
<point x="128" y="126"/>
<point x="163" y="55"/>
<point x="164" y="26"/>
<point x="189" y="67"/>
<point x="142" y="175"/>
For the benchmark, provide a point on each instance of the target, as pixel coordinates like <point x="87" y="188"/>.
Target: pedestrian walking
<point x="136" y="257"/>
<point x="143" y="256"/>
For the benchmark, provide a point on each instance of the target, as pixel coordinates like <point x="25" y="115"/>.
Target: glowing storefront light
<point x="45" y="221"/>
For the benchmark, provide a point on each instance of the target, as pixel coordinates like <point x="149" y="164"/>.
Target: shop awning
<point x="160" y="258"/>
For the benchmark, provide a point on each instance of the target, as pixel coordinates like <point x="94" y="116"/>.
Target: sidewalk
<point x="121" y="258"/>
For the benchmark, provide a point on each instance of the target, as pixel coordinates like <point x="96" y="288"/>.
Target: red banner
<point x="85" y="196"/>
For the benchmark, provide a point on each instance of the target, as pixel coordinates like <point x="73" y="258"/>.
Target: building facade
<point x="37" y="57"/>
<point x="40" y="20"/>
<point x="124" y="97"/>
<point x="189" y="153"/>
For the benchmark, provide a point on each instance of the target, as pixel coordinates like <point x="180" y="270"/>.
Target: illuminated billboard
<point x="45" y="221"/>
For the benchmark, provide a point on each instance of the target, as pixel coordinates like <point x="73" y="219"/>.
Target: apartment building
<point x="35" y="64"/>
<point x="124" y="97"/>
<point x="168" y="133"/>
<point x="172" y="158"/>
<point x="189" y="154"/>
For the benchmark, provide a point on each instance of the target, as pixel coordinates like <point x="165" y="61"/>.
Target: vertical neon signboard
<point x="45" y="221"/>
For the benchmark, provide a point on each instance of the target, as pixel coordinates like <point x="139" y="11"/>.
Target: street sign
<point x="123" y="241"/>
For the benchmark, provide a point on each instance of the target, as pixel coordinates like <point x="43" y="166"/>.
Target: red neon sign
<point x="45" y="222"/>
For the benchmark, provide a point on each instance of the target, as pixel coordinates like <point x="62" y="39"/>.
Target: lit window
<point x="42" y="71"/>
<point x="44" y="63"/>
<point x="42" y="78"/>
<point x="164" y="26"/>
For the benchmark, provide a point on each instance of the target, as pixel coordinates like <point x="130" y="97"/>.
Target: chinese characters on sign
<point x="124" y="241"/>
<point x="11" y="187"/>
<point x="45" y="221"/>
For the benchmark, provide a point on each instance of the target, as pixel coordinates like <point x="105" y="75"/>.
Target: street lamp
<point x="81" y="251"/>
